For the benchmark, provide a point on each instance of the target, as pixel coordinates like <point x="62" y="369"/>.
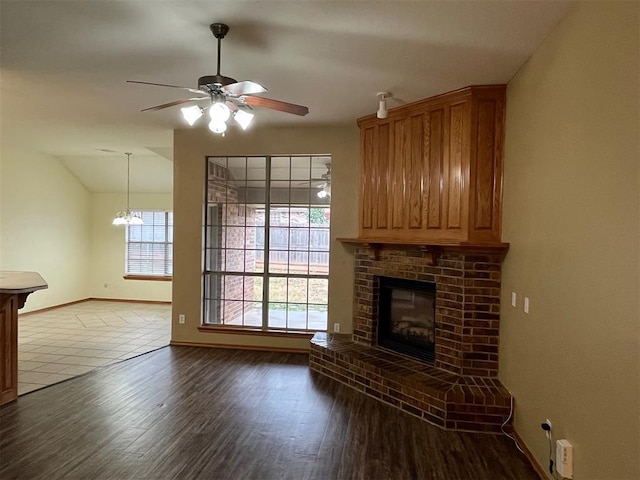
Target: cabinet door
<point x="398" y="164"/>
<point x="434" y="161"/>
<point x="445" y="167"/>
<point x="486" y="172"/>
<point x="456" y="172"/>
<point x="415" y="174"/>
<point x="376" y="201"/>
<point x="398" y="168"/>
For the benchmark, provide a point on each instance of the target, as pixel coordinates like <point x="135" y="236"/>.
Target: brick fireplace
<point x="460" y="389"/>
<point x="430" y="210"/>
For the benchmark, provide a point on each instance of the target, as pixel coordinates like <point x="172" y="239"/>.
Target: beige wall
<point x="571" y="215"/>
<point x="108" y="249"/>
<point x="45" y="214"/>
<point x="190" y="148"/>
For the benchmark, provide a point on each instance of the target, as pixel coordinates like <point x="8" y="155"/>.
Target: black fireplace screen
<point x="406" y="317"/>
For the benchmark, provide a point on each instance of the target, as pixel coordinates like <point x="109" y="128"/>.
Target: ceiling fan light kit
<point x="127" y="217"/>
<point x="217" y="127"/>
<point x="325" y="191"/>
<point x="382" y="104"/>
<point x="243" y="118"/>
<point x="227" y="98"/>
<point x="219" y="112"/>
<point x="325" y="187"/>
<point x="192" y="114"/>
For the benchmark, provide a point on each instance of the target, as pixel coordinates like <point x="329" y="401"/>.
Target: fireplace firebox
<point x="406" y="317"/>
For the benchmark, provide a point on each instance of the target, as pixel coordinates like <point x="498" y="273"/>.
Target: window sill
<point x="257" y="331"/>
<point x="155" y="278"/>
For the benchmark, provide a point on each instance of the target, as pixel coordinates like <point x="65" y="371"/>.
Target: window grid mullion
<point x="267" y="245"/>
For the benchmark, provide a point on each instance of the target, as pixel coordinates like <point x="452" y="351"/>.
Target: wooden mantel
<point x="15" y="287"/>
<point x="431" y="250"/>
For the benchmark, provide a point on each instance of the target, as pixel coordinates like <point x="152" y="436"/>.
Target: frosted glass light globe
<point x="219" y="112"/>
<point x="217" y="127"/>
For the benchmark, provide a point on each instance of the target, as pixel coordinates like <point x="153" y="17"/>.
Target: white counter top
<point x="12" y="282"/>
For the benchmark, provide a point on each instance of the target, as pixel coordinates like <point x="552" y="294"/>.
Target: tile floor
<point x="68" y="341"/>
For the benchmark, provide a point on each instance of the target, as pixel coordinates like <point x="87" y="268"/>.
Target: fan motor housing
<point x="219" y="30"/>
<point x="210" y="80"/>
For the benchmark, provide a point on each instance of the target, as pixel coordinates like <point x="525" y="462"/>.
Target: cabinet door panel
<point x="367" y="173"/>
<point x="415" y="174"/>
<point x="382" y="178"/>
<point x="455" y="171"/>
<point x="485" y="165"/>
<point x="401" y="157"/>
<point x="433" y="167"/>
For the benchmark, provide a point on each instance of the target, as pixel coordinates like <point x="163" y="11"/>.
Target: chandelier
<point x="127" y="217"/>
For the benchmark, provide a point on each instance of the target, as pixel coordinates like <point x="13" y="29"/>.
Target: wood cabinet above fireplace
<point x="432" y="170"/>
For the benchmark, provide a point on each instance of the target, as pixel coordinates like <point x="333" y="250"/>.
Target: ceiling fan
<point x="225" y="95"/>
<point x="323" y="184"/>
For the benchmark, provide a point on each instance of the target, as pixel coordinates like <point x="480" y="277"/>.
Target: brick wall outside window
<point x="222" y="190"/>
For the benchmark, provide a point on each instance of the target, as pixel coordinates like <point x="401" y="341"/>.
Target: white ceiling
<point x="64" y="65"/>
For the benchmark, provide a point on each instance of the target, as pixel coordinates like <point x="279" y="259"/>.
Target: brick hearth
<point x="460" y="391"/>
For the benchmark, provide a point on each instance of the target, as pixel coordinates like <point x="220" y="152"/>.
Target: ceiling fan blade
<point x="245" y="87"/>
<point x="232" y="106"/>
<point x="172" y="104"/>
<point x="308" y="184"/>
<point x="275" y="105"/>
<point x="192" y="90"/>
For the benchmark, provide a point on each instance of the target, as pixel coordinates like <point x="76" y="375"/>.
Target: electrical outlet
<point x="513" y="299"/>
<point x="181" y="318"/>
<point x="336" y="328"/>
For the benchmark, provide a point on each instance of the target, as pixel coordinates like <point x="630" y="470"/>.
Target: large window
<point x="267" y="242"/>
<point x="149" y="250"/>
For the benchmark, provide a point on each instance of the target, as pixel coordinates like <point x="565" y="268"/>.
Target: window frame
<point x="210" y="274"/>
<point x="167" y="262"/>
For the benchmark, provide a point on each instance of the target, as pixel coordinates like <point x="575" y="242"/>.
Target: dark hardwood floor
<point x="191" y="413"/>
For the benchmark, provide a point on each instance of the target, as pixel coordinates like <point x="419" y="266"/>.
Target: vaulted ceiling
<point x="64" y="66"/>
